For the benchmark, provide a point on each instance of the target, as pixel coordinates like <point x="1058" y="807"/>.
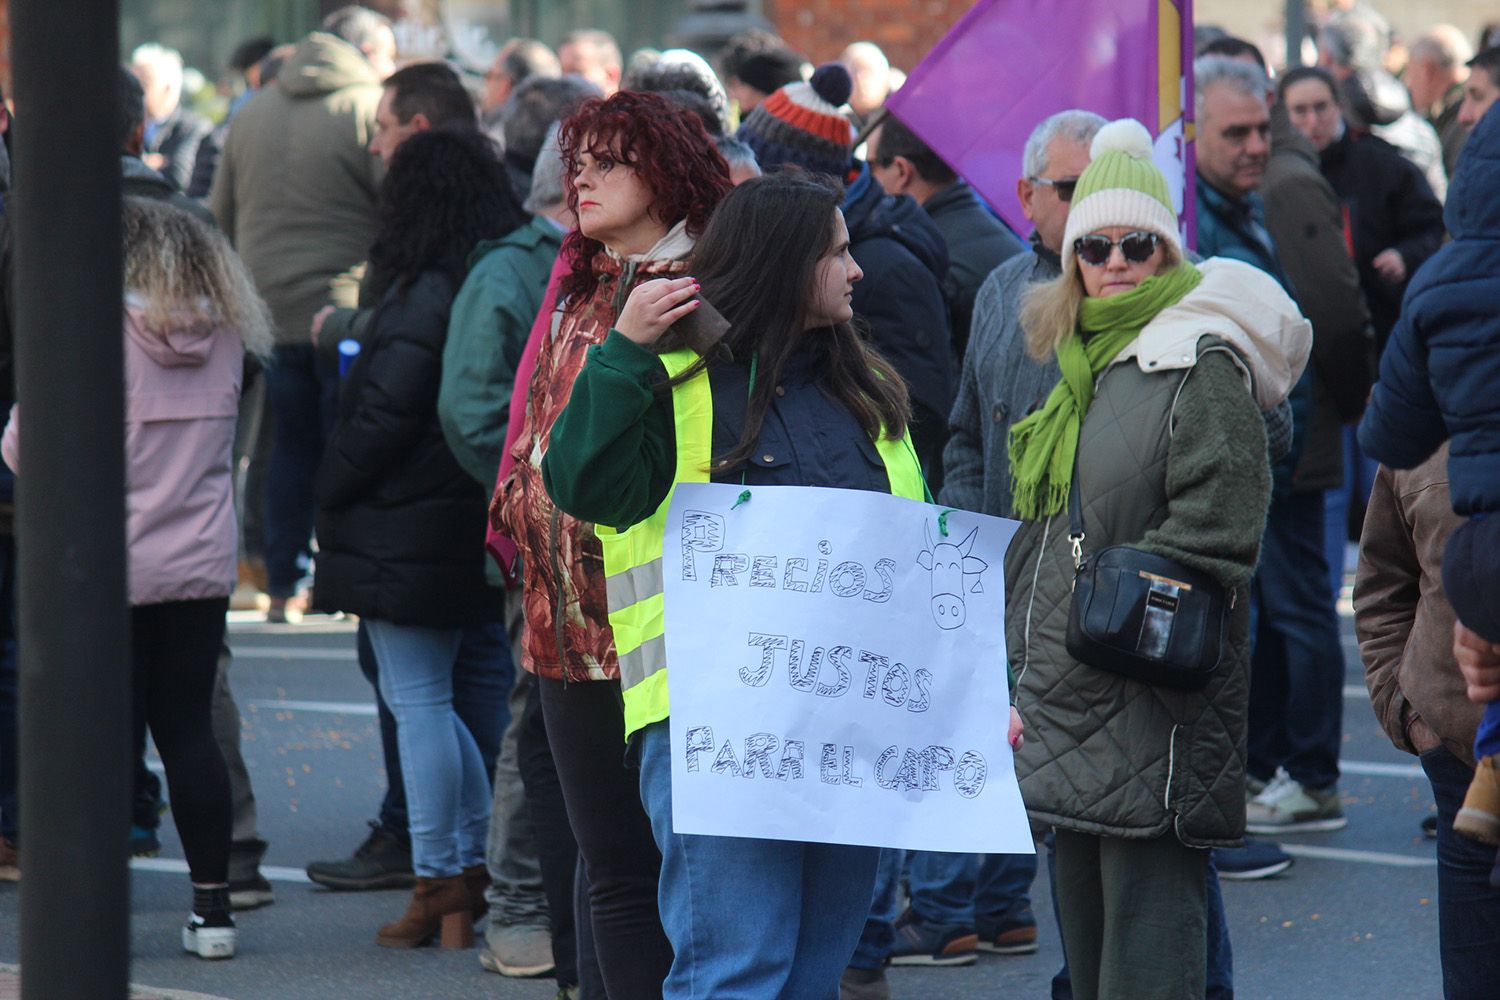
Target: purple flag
<point x="1008" y="64"/>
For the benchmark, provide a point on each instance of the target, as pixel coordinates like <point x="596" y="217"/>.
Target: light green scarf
<point x="1043" y="446"/>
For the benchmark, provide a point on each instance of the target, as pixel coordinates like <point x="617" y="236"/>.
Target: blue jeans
<point x="1220" y="978"/>
<point x="1359" y="478"/>
<point x="302" y="395"/>
<point x="965" y="888"/>
<point x="447" y="786"/>
<point x="1468" y="907"/>
<point x="482" y="679"/>
<point x="1297" y="668"/>
<point x="752" y="919"/>
<point x="946" y="889"/>
<point x="878" y="939"/>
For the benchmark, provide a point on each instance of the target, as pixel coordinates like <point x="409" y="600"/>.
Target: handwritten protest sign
<point x="836" y="669"/>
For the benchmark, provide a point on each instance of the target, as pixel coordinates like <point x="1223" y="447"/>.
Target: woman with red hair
<point x="644" y="177"/>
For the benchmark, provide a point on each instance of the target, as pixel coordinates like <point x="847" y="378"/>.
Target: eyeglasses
<point x="1095" y="249"/>
<point x="1063" y="186"/>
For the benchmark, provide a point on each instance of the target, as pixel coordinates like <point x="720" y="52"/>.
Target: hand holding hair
<point x="655" y="305"/>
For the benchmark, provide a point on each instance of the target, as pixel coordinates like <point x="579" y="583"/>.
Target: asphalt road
<point x="1356" y="917"/>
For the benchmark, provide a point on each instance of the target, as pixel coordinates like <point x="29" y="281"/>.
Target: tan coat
<point x="1403" y="621"/>
<point x="295" y="188"/>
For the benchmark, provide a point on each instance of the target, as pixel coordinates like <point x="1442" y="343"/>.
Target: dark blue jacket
<point x="900" y="300"/>
<point x="1238" y="230"/>
<point x="1440" y="374"/>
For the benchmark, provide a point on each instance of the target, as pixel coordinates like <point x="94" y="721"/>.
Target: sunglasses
<point x="1096" y="249"/>
<point x="1063" y="188"/>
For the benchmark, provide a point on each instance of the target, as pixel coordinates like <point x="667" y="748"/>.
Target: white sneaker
<point x="1286" y="806"/>
<point x="209" y="942"/>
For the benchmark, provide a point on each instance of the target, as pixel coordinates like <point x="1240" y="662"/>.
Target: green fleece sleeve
<point x="1218" y="476"/>
<point x="486" y="334"/>
<point x="613" y="451"/>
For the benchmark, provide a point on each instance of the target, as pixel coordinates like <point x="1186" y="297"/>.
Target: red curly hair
<point x="668" y="148"/>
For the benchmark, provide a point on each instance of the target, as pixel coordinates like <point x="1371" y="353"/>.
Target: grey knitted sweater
<point x="999" y="385"/>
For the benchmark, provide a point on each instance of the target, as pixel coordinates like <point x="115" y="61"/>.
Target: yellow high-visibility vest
<point x="633" y="557"/>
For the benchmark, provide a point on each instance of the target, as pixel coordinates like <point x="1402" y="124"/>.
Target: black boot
<point x="383" y="861"/>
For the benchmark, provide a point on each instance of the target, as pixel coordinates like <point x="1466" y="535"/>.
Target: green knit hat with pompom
<point x="1121" y="186"/>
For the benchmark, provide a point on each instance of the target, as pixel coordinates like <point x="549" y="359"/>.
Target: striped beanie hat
<point x="1121" y="186"/>
<point x="801" y="124"/>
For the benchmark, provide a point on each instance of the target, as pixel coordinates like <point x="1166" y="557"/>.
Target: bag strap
<point x="1075" y="518"/>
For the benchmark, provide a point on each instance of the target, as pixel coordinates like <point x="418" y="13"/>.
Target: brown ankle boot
<point x="477" y="880"/>
<point x="437" y="905"/>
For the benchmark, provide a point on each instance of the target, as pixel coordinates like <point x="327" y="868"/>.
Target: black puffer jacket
<point x="1391" y="206"/>
<point x="901" y="300"/>
<point x="400" y="524"/>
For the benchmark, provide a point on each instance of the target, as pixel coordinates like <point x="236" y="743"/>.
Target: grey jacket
<point x="1173" y="463"/>
<point x="999" y="385"/>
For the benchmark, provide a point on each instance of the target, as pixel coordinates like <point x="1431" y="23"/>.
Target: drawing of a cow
<point x="952" y="567"/>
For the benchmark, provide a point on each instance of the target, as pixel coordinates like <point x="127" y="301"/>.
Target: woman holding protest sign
<point x="643" y="178"/>
<point x="1142" y="484"/>
<point x="790" y="396"/>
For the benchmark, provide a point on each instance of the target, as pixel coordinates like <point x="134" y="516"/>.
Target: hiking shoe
<point x="1257" y="859"/>
<point x="250" y="893"/>
<point x="1012" y="934"/>
<point x="518" y="950"/>
<point x="918" y="943"/>
<point x="1288" y="806"/>
<point x="210" y="932"/>
<point x="10" y="860"/>
<point x="1479" y="819"/>
<point x="144" y="843"/>
<point x="864" y="984"/>
<point x="381" y="862"/>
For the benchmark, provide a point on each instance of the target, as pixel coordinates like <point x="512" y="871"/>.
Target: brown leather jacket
<point x="567" y="633"/>
<point x="1404" y="623"/>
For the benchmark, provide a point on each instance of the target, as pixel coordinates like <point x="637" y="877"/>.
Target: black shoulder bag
<point x="1141" y="615"/>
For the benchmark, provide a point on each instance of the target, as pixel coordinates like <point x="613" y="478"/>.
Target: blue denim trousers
<point x="1297" y="668"/>
<point x="752" y="919"/>
<point x="482" y="681"/>
<point x="1359" y="479"/>
<point x="302" y="395"/>
<point x="946" y="889"/>
<point x="1468" y="907"/>
<point x="447" y="786"/>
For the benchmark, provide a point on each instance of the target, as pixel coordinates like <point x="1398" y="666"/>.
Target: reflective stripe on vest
<point x="633" y="557"/>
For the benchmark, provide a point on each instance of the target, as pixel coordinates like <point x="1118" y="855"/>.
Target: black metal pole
<point x="1296" y="31"/>
<point x="75" y="757"/>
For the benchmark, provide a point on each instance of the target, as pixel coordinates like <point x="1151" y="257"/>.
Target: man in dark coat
<point x="977" y="240"/>
<point x="173" y="132"/>
<point x="1296" y="693"/>
<point x="901" y="301"/>
<point x="1395" y="220"/>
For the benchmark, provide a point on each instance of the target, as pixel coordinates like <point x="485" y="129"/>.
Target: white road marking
<point x="1377" y="769"/>
<point x="333" y="707"/>
<point x="292" y="653"/>
<point x="176" y="866"/>
<point x="1358" y="857"/>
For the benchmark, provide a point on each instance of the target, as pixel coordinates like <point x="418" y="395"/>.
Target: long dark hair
<point x="446" y="190"/>
<point x="665" y="144"/>
<point x="757" y="262"/>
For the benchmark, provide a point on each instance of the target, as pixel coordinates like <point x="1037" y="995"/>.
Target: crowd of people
<point x="432" y="351"/>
